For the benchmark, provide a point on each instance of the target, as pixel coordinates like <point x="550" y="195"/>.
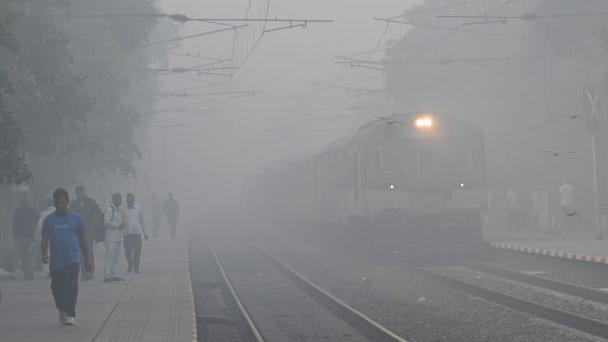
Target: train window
<point x="452" y="155"/>
<point x="399" y="158"/>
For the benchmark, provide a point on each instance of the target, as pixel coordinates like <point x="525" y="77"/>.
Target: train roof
<point x="403" y="121"/>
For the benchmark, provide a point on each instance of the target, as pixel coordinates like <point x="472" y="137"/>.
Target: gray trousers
<point x="24" y="252"/>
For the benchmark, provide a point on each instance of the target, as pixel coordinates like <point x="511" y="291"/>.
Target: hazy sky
<point x="250" y="132"/>
<point x="285" y="60"/>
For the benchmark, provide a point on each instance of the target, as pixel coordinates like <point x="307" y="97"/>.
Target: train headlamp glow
<point x="424" y="122"/>
<point x="464" y="185"/>
<point x="392" y="187"/>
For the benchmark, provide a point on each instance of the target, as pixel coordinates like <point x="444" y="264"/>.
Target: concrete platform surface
<point x="579" y="245"/>
<point x="155" y="305"/>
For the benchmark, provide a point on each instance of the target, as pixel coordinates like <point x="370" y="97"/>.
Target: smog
<point x="258" y="170"/>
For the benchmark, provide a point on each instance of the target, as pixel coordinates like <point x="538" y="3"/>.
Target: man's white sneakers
<point x="70" y="320"/>
<point x="62" y="317"/>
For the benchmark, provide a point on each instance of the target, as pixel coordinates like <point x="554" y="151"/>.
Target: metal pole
<point x="593" y="121"/>
<point x="596" y="186"/>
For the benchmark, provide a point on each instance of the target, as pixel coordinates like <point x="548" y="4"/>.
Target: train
<point x="401" y="182"/>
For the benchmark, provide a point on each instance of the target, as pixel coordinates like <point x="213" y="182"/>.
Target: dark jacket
<point x="24" y="222"/>
<point x="91" y="215"/>
<point x="171" y="208"/>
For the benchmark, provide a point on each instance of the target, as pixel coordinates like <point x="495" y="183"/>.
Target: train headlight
<point x="464" y="185"/>
<point x="424" y="122"/>
<point x="391" y="187"/>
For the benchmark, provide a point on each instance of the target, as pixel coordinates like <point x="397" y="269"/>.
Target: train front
<point x="426" y="188"/>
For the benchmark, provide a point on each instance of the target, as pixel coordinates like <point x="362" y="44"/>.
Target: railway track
<point x="559" y="286"/>
<point x="373" y="330"/>
<point x="220" y="313"/>
<point x="586" y="324"/>
<point x="263" y="307"/>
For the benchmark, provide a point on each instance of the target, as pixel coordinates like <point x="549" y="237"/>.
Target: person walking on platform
<point x="24" y="225"/>
<point x="134" y="229"/>
<point x="156" y="210"/>
<point x="114" y="224"/>
<point x="93" y="217"/>
<point x="513" y="209"/>
<point x="171" y="209"/>
<point x="566" y="219"/>
<point x="47" y="209"/>
<point x="63" y="230"/>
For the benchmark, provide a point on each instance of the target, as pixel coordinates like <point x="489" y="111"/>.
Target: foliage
<point x="111" y="52"/>
<point x="77" y="102"/>
<point x="13" y="169"/>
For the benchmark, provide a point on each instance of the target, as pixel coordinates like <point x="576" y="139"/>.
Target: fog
<point x="520" y="81"/>
<point x="204" y="115"/>
<point x="290" y="116"/>
<point x="381" y="147"/>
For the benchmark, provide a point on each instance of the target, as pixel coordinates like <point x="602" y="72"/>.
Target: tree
<point x="13" y="169"/>
<point x="73" y="84"/>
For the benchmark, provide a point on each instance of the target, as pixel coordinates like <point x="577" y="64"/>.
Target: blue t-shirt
<point x="63" y="238"/>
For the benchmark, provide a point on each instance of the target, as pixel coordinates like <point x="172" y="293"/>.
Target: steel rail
<point x="585" y="324"/>
<point x="252" y="329"/>
<point x="564" y="287"/>
<point x="368" y="327"/>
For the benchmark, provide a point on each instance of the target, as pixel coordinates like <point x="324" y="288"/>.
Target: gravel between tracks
<point x="416" y="308"/>
<point x="535" y="294"/>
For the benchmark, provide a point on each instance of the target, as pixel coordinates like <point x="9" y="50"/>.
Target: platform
<point x="577" y="245"/>
<point x="155" y="305"/>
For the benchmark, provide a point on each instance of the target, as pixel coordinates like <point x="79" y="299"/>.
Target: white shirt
<point x="132" y="220"/>
<point x="113" y="218"/>
<point x="512" y="197"/>
<point x="566" y="194"/>
<point x="43" y="215"/>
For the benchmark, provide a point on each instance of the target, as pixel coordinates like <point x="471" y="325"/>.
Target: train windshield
<point x="452" y="155"/>
<point x="399" y="158"/>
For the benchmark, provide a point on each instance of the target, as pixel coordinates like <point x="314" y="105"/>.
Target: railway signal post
<point x="591" y="99"/>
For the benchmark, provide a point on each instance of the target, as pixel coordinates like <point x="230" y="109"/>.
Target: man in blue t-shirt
<point x="63" y="230"/>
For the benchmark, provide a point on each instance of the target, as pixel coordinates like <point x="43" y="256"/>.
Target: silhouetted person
<point x="134" y="231"/>
<point x="64" y="231"/>
<point x="114" y="224"/>
<point x="92" y="217"/>
<point x="24" y="225"/>
<point x="171" y="209"/>
<point x="566" y="206"/>
<point x="47" y="209"/>
<point x="513" y="209"/>
<point x="156" y="211"/>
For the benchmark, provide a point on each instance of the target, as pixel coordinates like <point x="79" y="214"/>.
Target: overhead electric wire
<point x="193" y="56"/>
<point x="250" y="50"/>
<point x="194" y="35"/>
<point x="212" y="85"/>
<point x="446" y="28"/>
<point x="185" y="18"/>
<point x="216" y="93"/>
<point x="451" y="34"/>
<point x="447" y="60"/>
<point x="528" y="16"/>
